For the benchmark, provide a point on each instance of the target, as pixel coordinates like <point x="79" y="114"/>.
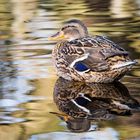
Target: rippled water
<point x="28" y="78"/>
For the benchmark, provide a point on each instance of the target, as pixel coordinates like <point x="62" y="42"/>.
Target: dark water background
<point x="27" y="75"/>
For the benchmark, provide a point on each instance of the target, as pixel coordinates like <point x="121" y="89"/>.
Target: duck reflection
<point x="81" y="104"/>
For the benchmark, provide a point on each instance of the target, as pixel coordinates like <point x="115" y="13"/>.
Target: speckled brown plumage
<point x="89" y="59"/>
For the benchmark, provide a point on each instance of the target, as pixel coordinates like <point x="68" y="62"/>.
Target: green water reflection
<point x="27" y="74"/>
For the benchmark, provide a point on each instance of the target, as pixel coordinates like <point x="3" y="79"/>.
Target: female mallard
<point x="81" y="57"/>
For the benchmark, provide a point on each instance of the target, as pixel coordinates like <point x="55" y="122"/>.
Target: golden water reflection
<point x="39" y="119"/>
<point x="27" y="74"/>
<point x="80" y="103"/>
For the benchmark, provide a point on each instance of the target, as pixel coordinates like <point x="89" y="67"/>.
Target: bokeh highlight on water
<point x="27" y="74"/>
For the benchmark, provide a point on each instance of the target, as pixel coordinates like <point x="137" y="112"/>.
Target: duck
<point x="94" y="59"/>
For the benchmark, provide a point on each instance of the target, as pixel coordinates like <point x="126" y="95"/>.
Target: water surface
<point x="28" y="77"/>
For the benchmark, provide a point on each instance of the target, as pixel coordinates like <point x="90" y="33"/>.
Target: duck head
<point x="72" y="29"/>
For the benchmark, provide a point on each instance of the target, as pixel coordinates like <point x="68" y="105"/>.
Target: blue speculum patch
<point x="82" y="101"/>
<point x="79" y="66"/>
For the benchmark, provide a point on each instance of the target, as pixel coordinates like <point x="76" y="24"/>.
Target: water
<point x="28" y="78"/>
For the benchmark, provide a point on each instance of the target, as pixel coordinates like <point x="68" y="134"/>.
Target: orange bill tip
<point x="57" y="36"/>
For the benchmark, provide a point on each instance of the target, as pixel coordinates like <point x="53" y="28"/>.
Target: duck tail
<point x="124" y="64"/>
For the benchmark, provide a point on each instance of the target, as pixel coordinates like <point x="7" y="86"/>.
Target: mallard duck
<point x="80" y="57"/>
<point x="95" y="101"/>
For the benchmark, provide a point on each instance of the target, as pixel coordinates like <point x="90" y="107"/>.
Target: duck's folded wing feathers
<point x="94" y="53"/>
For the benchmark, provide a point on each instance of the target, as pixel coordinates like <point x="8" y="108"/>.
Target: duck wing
<point x="92" y="53"/>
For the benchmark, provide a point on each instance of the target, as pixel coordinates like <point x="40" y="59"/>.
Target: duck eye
<point x="63" y="28"/>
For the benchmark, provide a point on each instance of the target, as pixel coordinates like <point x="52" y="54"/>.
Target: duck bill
<point x="57" y="36"/>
